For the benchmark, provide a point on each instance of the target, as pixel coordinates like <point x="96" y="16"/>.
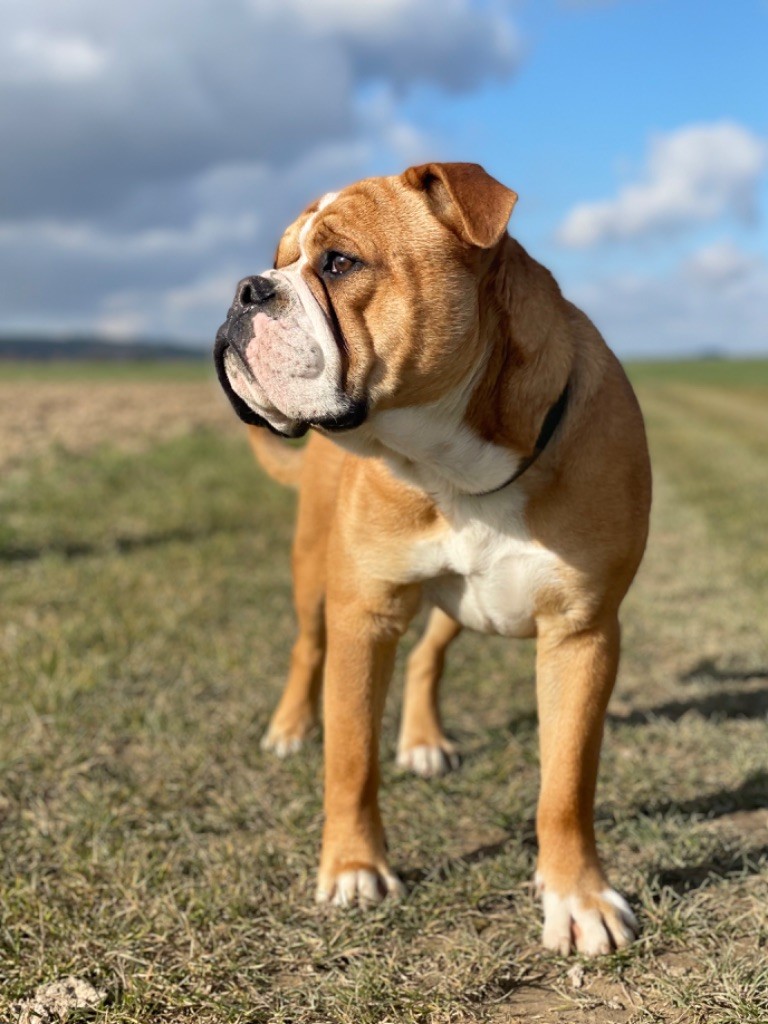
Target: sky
<point x="153" y="152"/>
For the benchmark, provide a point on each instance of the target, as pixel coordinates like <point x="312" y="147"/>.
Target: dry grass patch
<point x="126" y="411"/>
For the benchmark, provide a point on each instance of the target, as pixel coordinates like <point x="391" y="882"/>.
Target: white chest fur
<point x="485" y="571"/>
<point x="482" y="567"/>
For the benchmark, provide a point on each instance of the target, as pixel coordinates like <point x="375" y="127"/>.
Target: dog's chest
<point x="486" y="573"/>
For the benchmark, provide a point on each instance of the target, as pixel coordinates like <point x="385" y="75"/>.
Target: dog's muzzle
<point x="252" y="295"/>
<point x="244" y="411"/>
<point x="255" y="295"/>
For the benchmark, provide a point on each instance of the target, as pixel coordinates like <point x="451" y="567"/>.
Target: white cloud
<point x="207" y="293"/>
<point x="693" y="175"/>
<point x="121" y="325"/>
<point x="720" y="263"/>
<point x="33" y="55"/>
<point x="713" y="301"/>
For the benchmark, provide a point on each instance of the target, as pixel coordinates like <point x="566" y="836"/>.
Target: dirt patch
<point x="594" y="999"/>
<point x="56" y="1001"/>
<point x="79" y="416"/>
<point x="751" y="824"/>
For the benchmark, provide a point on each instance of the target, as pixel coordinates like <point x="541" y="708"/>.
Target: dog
<point x="474" y="445"/>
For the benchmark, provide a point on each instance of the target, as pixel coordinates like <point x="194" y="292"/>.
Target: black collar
<point x="548" y="427"/>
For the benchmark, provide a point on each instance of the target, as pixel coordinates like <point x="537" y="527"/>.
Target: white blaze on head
<point x="307" y="227"/>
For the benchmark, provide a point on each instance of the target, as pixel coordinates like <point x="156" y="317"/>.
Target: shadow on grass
<point x="110" y="545"/>
<point x="728" y="701"/>
<point x="751" y="795"/>
<point x="746" y="702"/>
<point x="523" y="834"/>
<point x="707" y="670"/>
<point x="724" y="865"/>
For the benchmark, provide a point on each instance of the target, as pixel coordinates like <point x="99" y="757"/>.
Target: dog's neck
<point x="432" y="448"/>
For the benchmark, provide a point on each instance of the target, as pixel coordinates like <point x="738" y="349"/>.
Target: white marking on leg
<point x="428" y="762"/>
<point x="363" y="887"/>
<point x="557" y="923"/>
<point x="592" y="930"/>
<point x="280" y="745"/>
<point x="626" y="923"/>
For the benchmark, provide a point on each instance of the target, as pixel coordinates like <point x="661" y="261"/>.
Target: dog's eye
<point x="336" y="264"/>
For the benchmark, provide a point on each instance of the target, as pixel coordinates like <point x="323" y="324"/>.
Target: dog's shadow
<point x="724" y="865"/>
<point x="742" y="700"/>
<point x="751" y="795"/>
<point x="736" y="697"/>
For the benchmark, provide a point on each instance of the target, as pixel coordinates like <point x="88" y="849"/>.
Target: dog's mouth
<point x="250" y="401"/>
<point x="242" y="389"/>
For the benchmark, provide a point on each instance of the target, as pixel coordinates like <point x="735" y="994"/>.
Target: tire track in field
<point x="690" y="602"/>
<point x="719" y="468"/>
<point x="702" y="585"/>
<point x="742" y="415"/>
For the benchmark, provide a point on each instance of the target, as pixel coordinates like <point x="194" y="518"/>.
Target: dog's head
<point x="372" y="302"/>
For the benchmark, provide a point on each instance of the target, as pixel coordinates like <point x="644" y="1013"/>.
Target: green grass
<point x="736" y="373"/>
<point x="84" y="370"/>
<point x="150" y="846"/>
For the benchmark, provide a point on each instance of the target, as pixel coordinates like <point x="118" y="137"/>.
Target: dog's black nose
<point x="254" y="291"/>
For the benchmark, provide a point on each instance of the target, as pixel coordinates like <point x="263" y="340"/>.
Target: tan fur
<point x="448" y="304"/>
<point x="277" y="460"/>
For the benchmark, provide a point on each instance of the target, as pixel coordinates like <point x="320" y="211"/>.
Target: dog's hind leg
<point x="297" y="712"/>
<point x="423" y="747"/>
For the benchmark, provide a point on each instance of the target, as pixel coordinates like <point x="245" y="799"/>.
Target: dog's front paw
<point x="358" y="885"/>
<point x="429" y="761"/>
<point x="591" y="922"/>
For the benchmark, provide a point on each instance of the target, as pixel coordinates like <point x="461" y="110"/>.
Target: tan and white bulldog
<point x="475" y="446"/>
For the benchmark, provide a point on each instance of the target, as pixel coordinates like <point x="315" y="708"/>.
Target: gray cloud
<point x="179" y="88"/>
<point x="151" y="148"/>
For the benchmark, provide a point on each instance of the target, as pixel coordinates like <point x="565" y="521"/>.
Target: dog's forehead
<point x="369" y="206"/>
<point x="368" y="214"/>
<point x="311" y="220"/>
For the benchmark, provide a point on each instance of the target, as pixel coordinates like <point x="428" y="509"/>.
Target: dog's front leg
<point x="363" y="631"/>
<point x="575" y="674"/>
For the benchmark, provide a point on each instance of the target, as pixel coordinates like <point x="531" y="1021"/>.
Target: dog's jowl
<point x="474" y="445"/>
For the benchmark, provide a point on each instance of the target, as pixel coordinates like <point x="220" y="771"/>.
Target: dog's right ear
<point x="288" y="250"/>
<point x="465" y="198"/>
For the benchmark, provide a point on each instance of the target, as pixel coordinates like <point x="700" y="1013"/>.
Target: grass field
<point x="149" y="846"/>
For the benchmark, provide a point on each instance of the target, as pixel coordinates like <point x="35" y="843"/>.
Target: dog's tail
<point x="279" y="460"/>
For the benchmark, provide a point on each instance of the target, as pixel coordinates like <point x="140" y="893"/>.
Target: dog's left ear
<point x="465" y="198"/>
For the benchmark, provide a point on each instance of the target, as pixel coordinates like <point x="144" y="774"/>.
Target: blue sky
<point x="153" y="153"/>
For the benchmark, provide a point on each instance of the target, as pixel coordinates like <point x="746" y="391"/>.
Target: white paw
<point x="428" y="762"/>
<point x="280" y="744"/>
<point x="363" y="887"/>
<point x="594" y="925"/>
